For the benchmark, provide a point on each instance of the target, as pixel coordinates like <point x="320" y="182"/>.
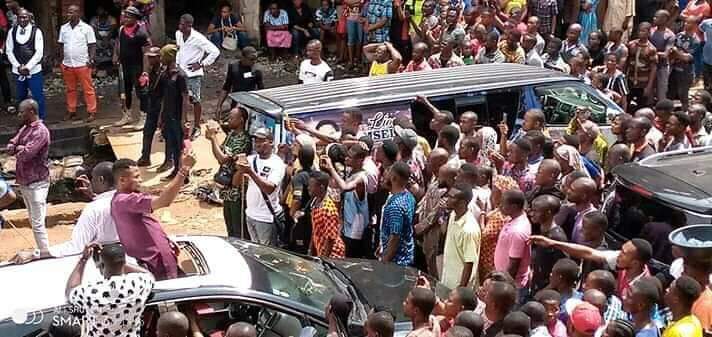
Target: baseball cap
<point x="407" y="136"/>
<point x="153" y="51"/>
<point x="585" y="317"/>
<point x="132" y="11"/>
<point x="262" y="133"/>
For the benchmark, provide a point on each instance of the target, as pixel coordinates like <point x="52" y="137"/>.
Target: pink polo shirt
<point x="512" y="243"/>
<point x="142" y="235"/>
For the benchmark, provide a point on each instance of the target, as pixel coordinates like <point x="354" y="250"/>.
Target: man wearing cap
<point x="173" y="92"/>
<point x="584" y="320"/>
<point x="631" y="261"/>
<point x="152" y="96"/>
<point x="266" y="171"/>
<point x="195" y="51"/>
<point x="407" y="140"/>
<point x="130" y="46"/>
<point x="24" y="49"/>
<point x="77" y="49"/>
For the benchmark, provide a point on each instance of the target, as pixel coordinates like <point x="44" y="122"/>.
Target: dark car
<point x="658" y="194"/>
<point x="226" y="280"/>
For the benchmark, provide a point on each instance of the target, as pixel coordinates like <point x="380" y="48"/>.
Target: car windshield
<point x="286" y="275"/>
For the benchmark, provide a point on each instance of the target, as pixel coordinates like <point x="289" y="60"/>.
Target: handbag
<point x="225" y="174"/>
<point x="229" y="39"/>
<point x="280" y="220"/>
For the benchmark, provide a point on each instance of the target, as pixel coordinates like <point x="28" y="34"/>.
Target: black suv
<point x="658" y="194"/>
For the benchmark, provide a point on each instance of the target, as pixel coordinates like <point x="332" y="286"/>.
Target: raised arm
<point x="572" y="249"/>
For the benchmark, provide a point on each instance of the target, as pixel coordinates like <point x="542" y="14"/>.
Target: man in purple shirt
<point x="140" y="232"/>
<point x="31" y="148"/>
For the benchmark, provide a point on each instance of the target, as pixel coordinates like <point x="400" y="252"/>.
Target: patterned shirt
<point x="436" y="62"/>
<point x="640" y="59"/>
<point x="524" y="177"/>
<point x="398" y="216"/>
<point x="511" y="56"/>
<point x="686" y="44"/>
<point x="326" y="226"/>
<point x="545" y="10"/>
<point x="235" y="143"/>
<point x="113" y="306"/>
<point x="570" y="50"/>
<point x="327" y="17"/>
<point x="377" y="11"/>
<point x="494" y="221"/>
<point x="32" y="162"/>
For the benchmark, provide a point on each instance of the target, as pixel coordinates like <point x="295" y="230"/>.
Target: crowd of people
<point x="510" y="218"/>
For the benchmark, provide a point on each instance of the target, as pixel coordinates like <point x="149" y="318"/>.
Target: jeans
<point x="707" y="76"/>
<point x="354" y="247"/>
<point x="149" y="128"/>
<point x="661" y="79"/>
<point x="34" y="85"/>
<point x="74" y="77"/>
<point x="262" y="232"/>
<point x="173" y="135"/>
<point x="217" y="39"/>
<point x="299" y="39"/>
<point x="354" y="33"/>
<point x="234" y="214"/>
<point x="35" y="197"/>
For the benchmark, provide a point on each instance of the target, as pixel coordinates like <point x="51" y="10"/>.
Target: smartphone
<point x="504" y="118"/>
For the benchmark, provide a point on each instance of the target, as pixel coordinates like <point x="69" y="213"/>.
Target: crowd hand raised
<point x="503" y="129"/>
<point x="541" y="241"/>
<point x="84" y="186"/>
<point x="187" y="160"/>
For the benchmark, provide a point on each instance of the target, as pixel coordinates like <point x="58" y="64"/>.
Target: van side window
<point x="559" y="102"/>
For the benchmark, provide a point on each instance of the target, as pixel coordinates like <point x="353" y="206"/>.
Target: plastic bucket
<point x="695" y="240"/>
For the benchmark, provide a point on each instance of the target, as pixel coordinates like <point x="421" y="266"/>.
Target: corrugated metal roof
<point x="364" y="91"/>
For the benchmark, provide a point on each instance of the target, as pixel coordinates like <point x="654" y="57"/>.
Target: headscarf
<point x="504" y="183"/>
<point x="488" y="144"/>
<point x="571" y="155"/>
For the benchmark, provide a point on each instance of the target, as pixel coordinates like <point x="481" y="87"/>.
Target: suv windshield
<point x="286" y="275"/>
<point x="560" y="101"/>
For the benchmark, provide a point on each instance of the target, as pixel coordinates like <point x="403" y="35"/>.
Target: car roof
<point x="226" y="268"/>
<point x="681" y="179"/>
<point x="364" y="91"/>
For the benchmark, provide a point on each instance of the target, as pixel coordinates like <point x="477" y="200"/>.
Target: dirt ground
<point x="185" y="216"/>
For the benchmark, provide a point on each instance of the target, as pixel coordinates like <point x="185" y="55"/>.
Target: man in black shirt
<point x="132" y="40"/>
<point x="174" y="93"/>
<point x="301" y="24"/>
<point x="241" y="76"/>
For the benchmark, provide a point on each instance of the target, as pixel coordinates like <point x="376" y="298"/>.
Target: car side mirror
<point x="307" y="331"/>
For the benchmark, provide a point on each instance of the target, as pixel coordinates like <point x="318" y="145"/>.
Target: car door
<point x="214" y="314"/>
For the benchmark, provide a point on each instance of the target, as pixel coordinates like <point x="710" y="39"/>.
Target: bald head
<point x="597" y="298"/>
<point x="102" y="177"/>
<point x="585" y="185"/>
<point x="548" y="174"/>
<point x="617" y="154"/>
<point x="173" y="324"/>
<point x="447" y="174"/>
<point x="241" y="329"/>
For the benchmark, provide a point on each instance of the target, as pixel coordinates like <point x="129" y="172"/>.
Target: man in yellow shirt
<point x="700" y="268"/>
<point x="462" y="241"/>
<point x="384" y="58"/>
<point x="679" y="297"/>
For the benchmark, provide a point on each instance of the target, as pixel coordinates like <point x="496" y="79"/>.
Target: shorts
<point x="354" y="32"/>
<point x="4" y="188"/>
<point x="194" y="83"/>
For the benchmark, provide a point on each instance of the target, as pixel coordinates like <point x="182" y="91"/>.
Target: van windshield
<point x="560" y="101"/>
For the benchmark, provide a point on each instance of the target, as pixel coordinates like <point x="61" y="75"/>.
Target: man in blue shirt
<point x="706" y="28"/>
<point x="398" y="215"/>
<point x="379" y="17"/>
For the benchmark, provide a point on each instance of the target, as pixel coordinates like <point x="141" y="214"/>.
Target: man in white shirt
<point x="532" y="56"/>
<point x="314" y="69"/>
<point x="266" y="171"/>
<point x="95" y="224"/>
<point x="533" y="28"/>
<point x="77" y="49"/>
<point x="25" y="48"/>
<point x="195" y="51"/>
